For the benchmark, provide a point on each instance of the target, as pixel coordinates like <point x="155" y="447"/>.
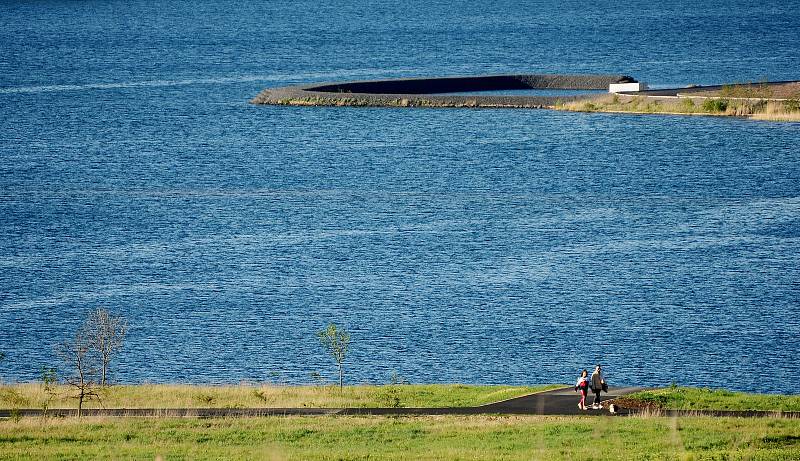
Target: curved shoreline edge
<point x="737" y="100"/>
<point x="427" y="92"/>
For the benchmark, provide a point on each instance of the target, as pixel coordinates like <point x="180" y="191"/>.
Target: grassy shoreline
<point x="753" y="108"/>
<point x="259" y="396"/>
<point x="33" y="395"/>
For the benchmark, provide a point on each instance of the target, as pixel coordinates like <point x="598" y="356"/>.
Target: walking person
<point x="598" y="382"/>
<point x="582" y="386"/>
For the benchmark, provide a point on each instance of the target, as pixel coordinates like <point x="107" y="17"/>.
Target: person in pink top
<point x="582" y="386"/>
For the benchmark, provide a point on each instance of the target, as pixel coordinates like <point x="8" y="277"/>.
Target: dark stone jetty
<point x="427" y="92"/>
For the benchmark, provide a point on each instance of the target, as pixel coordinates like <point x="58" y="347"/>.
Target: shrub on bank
<point x="715" y="105"/>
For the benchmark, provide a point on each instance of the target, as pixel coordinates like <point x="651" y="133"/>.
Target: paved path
<point x="557" y="402"/>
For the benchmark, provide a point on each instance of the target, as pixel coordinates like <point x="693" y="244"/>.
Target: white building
<point x="622" y="87"/>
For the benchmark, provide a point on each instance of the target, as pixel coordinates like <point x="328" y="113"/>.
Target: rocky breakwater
<point x="439" y="92"/>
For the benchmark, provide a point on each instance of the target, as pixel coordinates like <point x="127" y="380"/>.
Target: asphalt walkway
<point x="556" y="402"/>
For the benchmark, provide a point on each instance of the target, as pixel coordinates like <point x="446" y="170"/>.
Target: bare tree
<point x="105" y="334"/>
<point x="337" y="342"/>
<point x="76" y="354"/>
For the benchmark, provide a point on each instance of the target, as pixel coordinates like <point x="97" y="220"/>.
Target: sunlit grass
<point x="385" y="438"/>
<point x="759" y="109"/>
<point x="787" y="111"/>
<point x="748" y="90"/>
<point x="761" y="90"/>
<point x="256" y="396"/>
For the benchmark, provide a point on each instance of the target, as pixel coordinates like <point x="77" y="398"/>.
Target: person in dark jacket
<point x="597" y="386"/>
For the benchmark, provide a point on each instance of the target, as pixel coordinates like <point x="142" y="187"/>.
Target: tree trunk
<point x="80" y="402"/>
<point x="341" y="377"/>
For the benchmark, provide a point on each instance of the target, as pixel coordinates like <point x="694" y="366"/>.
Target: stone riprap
<point x="427" y="92"/>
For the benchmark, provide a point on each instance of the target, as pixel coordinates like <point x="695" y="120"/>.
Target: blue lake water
<point x="478" y="246"/>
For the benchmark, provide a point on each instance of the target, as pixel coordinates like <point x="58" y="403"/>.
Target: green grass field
<point x="251" y="396"/>
<point x="385" y="438"/>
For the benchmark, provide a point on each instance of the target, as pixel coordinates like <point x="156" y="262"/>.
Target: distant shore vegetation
<point x="763" y="90"/>
<point x="755" y="101"/>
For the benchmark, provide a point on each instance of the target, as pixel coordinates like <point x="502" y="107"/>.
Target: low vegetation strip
<point x="689" y="399"/>
<point x="758" y="109"/>
<point x="263" y="396"/>
<point x="763" y="90"/>
<point x="402" y="438"/>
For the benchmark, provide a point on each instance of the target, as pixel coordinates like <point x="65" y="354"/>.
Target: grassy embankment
<point x="691" y="398"/>
<point x="252" y="396"/>
<point x="399" y="395"/>
<point x="384" y="438"/>
<point x="752" y="101"/>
